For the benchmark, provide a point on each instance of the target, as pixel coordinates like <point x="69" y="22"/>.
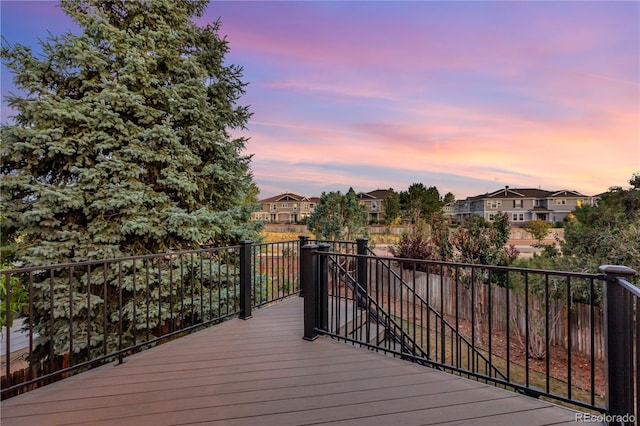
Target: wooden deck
<point x="260" y="371"/>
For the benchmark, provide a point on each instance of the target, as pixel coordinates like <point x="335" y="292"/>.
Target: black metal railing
<point x="622" y="322"/>
<point x="78" y="315"/>
<point x="542" y="333"/>
<point x="275" y="271"/>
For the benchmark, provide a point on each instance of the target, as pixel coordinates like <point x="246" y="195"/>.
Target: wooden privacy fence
<point x="440" y="292"/>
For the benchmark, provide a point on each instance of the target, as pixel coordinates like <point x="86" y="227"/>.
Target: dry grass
<point x="387" y="239"/>
<point x="274" y="237"/>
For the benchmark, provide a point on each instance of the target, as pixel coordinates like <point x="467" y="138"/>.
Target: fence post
<point x="309" y="276"/>
<point x="618" y="328"/>
<point x="303" y="241"/>
<point x="245" y="279"/>
<point x="362" y="272"/>
<point x="323" y="287"/>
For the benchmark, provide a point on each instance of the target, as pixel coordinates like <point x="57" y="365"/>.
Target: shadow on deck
<point x="261" y="371"/>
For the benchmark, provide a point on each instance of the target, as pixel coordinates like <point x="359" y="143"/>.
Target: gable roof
<point x="288" y="196"/>
<point x="566" y="193"/>
<point x="380" y="194"/>
<point x="516" y="193"/>
<point x="362" y="196"/>
<point x="519" y="193"/>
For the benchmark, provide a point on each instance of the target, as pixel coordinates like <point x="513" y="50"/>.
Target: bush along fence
<point x="61" y="319"/>
<point x="514" y="328"/>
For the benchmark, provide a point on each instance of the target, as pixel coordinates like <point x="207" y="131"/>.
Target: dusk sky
<point x="465" y="96"/>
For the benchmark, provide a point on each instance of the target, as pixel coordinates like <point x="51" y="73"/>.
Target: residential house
<point x="285" y="208"/>
<point x="448" y="210"/>
<point x="522" y="204"/>
<point x="294" y="208"/>
<point x="374" y="203"/>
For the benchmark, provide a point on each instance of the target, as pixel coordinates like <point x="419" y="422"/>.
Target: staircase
<point x="362" y="319"/>
<point x="355" y="323"/>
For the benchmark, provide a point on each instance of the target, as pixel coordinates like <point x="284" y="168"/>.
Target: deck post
<point x="362" y="272"/>
<point x="618" y="329"/>
<point x="308" y="275"/>
<point x="303" y="241"/>
<point x="245" y="279"/>
<point x="323" y="287"/>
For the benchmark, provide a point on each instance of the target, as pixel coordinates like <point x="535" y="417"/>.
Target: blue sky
<point x="466" y="96"/>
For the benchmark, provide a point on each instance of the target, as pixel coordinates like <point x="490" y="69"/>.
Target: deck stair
<point x="353" y="322"/>
<point x="373" y="318"/>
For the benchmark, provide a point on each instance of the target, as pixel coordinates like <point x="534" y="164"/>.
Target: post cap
<point x="617" y="270"/>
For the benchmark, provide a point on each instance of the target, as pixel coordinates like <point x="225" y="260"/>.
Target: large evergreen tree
<point x="121" y="143"/>
<point x="121" y="146"/>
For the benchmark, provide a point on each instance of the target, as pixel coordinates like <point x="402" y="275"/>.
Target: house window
<point x="284" y="205"/>
<point x="518" y="217"/>
<point x="295" y="206"/>
<point x="561" y="202"/>
<point x="517" y="204"/>
<point x="310" y="205"/>
<point x="491" y="216"/>
<point x="494" y="204"/>
<point x="274" y="207"/>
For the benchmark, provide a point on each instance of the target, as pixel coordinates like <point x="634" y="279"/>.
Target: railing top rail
<point x="266" y="243"/>
<point x="629" y="287"/>
<point x="114" y="260"/>
<point x="315" y="240"/>
<point x="599" y="276"/>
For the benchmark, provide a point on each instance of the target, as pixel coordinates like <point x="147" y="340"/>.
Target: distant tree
<point x="440" y="236"/>
<point x="607" y="233"/>
<point x="448" y="198"/>
<point x="539" y="229"/>
<point x="337" y="216"/>
<point x="391" y="213"/>
<point x="635" y="181"/>
<point x="252" y="194"/>
<point x="483" y="242"/>
<point x="503" y="229"/>
<point x="432" y="245"/>
<point x="419" y="202"/>
<point x="354" y="214"/>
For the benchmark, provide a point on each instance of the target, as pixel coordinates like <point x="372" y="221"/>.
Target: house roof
<point x="363" y="196"/>
<point x="380" y="194"/>
<point x="567" y="193"/>
<point x="288" y="196"/>
<point x="519" y="193"/>
<point x="529" y="193"/>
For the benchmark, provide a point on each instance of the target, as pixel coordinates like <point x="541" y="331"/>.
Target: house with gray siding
<point x="522" y="204"/>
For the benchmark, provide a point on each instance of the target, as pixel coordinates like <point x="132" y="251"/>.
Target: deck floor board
<point x="260" y="371"/>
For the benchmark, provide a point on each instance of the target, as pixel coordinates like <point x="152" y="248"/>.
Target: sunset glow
<point x="466" y="96"/>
